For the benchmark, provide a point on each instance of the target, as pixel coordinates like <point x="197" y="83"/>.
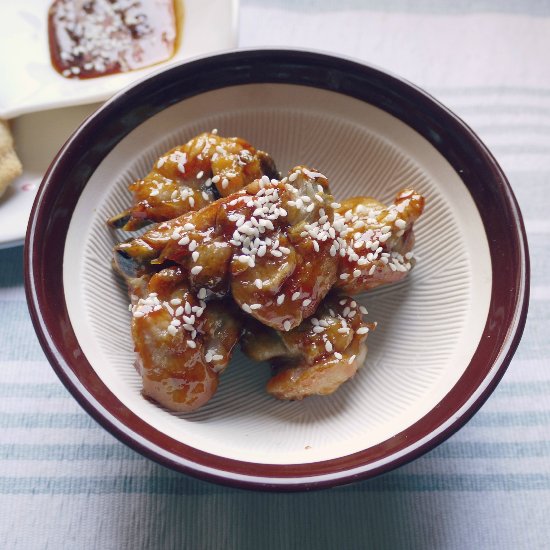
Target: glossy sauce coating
<point x="317" y="357"/>
<point x="91" y="38"/>
<point x="376" y="241"/>
<point x="182" y="343"/>
<point x="191" y="176"/>
<point x="254" y="243"/>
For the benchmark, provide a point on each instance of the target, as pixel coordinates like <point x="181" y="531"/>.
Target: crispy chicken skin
<point x="317" y="357"/>
<point x="264" y="244"/>
<point x="182" y="342"/>
<point x="192" y="176"/>
<point x="375" y="241"/>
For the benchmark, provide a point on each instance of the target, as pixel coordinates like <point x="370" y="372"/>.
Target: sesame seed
<point x="195" y="256"/>
<point x="316" y="246"/>
<point x="295" y="296"/>
<point x="352" y="359"/>
<point x="344" y="276"/>
<point x="286" y="324"/>
<point x="337" y="355"/>
<point x="280" y="299"/>
<point x="401" y="224"/>
<point x="175" y="301"/>
<point x="192" y="245"/>
<point x="172" y="330"/>
<point x="259" y="283"/>
<point x="217" y="357"/>
<point x="356" y="272"/>
<point x="202" y="294"/>
<point x="216" y="179"/>
<point x="191" y="344"/>
<point x="246" y="308"/>
<point x="255" y="306"/>
<point x="318" y="329"/>
<point x="372" y="270"/>
<point x="179" y="311"/>
<point x="196" y="270"/>
<point x="363" y="310"/>
<point x="328" y="346"/>
<point x="306" y="302"/>
<point x="362" y="330"/>
<point x="200" y="175"/>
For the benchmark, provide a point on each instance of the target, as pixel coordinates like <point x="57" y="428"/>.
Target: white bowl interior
<point x="429" y="325"/>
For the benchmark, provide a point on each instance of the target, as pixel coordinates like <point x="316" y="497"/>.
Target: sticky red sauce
<point x="91" y="38"/>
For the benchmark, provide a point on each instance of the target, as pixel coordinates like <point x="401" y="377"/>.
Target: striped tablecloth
<point x="66" y="483"/>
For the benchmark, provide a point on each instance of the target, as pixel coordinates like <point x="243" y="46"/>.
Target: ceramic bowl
<point x="445" y="335"/>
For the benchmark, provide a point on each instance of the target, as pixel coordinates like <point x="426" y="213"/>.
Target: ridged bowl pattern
<point x="428" y="325"/>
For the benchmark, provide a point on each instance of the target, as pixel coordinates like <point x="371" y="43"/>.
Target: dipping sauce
<point x="91" y="38"/>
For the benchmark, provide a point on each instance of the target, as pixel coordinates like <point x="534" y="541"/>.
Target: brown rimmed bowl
<point x="445" y="335"/>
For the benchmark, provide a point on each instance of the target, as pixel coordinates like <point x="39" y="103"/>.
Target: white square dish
<point x="30" y="83"/>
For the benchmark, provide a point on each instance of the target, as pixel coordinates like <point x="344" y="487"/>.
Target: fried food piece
<point x="267" y="244"/>
<point x="10" y="165"/>
<point x="182" y="342"/>
<point x="191" y="176"/>
<point x="318" y="356"/>
<point x="375" y="241"/>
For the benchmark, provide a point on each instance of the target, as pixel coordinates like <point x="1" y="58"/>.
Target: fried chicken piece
<point x="267" y="244"/>
<point x="191" y="176"/>
<point x="318" y="356"/>
<point x="374" y="241"/>
<point x="182" y="342"/>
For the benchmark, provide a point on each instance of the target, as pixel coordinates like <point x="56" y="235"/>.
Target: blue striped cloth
<point x="66" y="483"/>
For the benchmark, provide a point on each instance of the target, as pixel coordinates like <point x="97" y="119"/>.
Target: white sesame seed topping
<point x="328" y="346"/>
<point x="196" y="270"/>
<point x="286" y="325"/>
<point x="362" y="330"/>
<point x="280" y="299"/>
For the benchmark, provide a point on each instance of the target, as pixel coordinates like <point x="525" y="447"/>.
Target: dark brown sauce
<point x="91" y="38"/>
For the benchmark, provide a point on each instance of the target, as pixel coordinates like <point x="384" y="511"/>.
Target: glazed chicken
<point x="375" y="241"/>
<point x="191" y="176"/>
<point x="317" y="357"/>
<point x="239" y="255"/>
<point x="267" y="245"/>
<point x="182" y="342"/>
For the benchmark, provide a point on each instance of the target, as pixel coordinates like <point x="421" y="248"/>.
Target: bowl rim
<point x="469" y="157"/>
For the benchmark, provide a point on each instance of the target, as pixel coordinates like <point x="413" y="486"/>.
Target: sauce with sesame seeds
<point x="92" y="38"/>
